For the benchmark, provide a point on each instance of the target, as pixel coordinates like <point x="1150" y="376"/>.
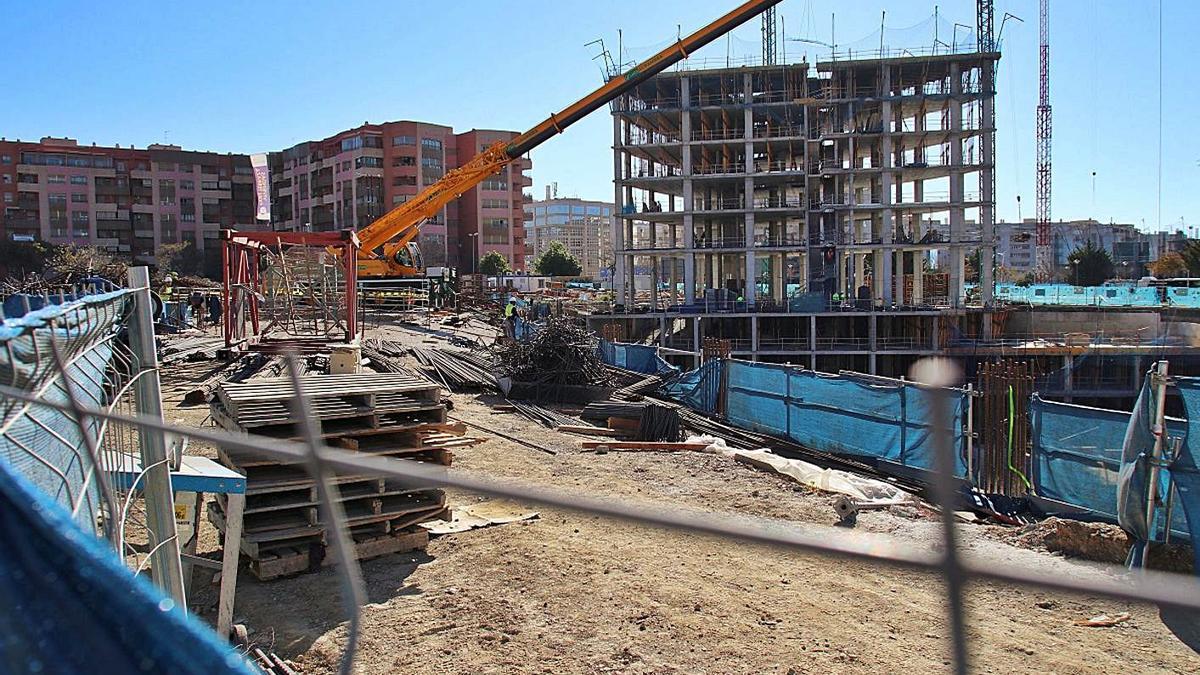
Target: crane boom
<point x="397" y="228"/>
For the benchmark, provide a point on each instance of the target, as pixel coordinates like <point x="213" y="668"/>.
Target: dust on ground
<point x="574" y="593"/>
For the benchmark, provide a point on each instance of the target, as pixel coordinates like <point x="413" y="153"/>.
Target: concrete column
<point x="812" y="335"/>
<point x="655" y="276"/>
<point x="689" y="234"/>
<point x="662" y="331"/>
<point x="987" y="197"/>
<point x="956" y="183"/>
<point x="918" y="277"/>
<point x="860" y="271"/>
<point x="899" y="277"/>
<point x="620" y="159"/>
<point x="751" y="266"/>
<point x="754" y="338"/>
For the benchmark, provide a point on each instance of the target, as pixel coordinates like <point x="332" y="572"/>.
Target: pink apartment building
<point x="351" y="178"/>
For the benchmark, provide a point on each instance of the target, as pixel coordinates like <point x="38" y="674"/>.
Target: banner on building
<point x="262" y="186"/>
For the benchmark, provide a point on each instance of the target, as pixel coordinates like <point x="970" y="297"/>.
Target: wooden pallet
<point x="300" y="559"/>
<point x="260" y="545"/>
<point x="266" y="401"/>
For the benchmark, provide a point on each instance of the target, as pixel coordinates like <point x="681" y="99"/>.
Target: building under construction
<point x="785" y="207"/>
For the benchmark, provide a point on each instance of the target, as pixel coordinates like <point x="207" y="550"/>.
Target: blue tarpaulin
<point x="69" y="605"/>
<point x="843" y="414"/>
<point x="1077" y="456"/>
<point x="638" y="358"/>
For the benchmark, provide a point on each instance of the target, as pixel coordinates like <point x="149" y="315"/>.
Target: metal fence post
<point x="166" y="569"/>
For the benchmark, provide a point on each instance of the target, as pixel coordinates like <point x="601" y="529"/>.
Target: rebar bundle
<point x="560" y="353"/>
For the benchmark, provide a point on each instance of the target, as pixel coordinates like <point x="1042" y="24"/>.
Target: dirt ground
<point x="572" y="593"/>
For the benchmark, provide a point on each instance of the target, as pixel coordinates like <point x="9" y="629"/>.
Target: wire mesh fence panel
<point x="78" y="354"/>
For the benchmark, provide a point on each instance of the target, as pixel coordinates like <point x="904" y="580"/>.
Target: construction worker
<point x="510" y="318"/>
<point x="167" y="287"/>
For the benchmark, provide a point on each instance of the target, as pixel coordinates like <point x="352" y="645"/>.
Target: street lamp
<point x="472" y="237"/>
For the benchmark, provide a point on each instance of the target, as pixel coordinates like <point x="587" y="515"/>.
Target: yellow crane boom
<point x="397" y="229"/>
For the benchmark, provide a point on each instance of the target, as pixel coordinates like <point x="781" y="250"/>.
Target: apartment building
<point x="583" y="226"/>
<point x="354" y="176"/>
<point x="1130" y="249"/>
<point x="127" y="200"/>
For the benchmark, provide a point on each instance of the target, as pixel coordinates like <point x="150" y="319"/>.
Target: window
<point x="79" y="197"/>
<point x="494" y="203"/>
<point x="403" y="140"/>
<point x="346" y="165"/>
<point x="431" y="144"/>
<point x="593" y="210"/>
<point x="399" y="199"/>
<point x="5" y="159"/>
<point x="187" y="185"/>
<point x="8" y="179"/>
<point x="431" y="162"/>
<point x="404" y="160"/>
<point x="8" y="197"/>
<point x="185" y="168"/>
<point x="352" y="143"/>
<point x="78" y="180"/>
<point x="166" y="166"/>
<point x="76" y="160"/>
<point x="59" y="200"/>
<point x="79" y="217"/>
<point x="188" y="217"/>
<point x="209" y="185"/>
<point x="494" y="184"/>
<point x="404" y="180"/>
<point x="56" y="179"/>
<point x="372" y="141"/>
<point x="368" y="162"/>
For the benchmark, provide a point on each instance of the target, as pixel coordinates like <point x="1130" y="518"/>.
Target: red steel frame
<point x="240" y="257"/>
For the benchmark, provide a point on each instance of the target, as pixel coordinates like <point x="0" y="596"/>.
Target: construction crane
<point x="389" y="244"/>
<point x="1041" y="245"/>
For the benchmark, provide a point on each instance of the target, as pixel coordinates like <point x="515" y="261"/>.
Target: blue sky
<point x="254" y="76"/>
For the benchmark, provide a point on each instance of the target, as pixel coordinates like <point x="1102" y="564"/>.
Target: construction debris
<point x="1104" y="620"/>
<point x="559" y="353"/>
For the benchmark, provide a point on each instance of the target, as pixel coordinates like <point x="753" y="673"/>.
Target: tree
<point x="494" y="264"/>
<point x="19" y="258"/>
<point x="557" y="261"/>
<point x="1169" y="266"/>
<point x="1191" y="257"/>
<point x="73" y="263"/>
<point x="1091" y="265"/>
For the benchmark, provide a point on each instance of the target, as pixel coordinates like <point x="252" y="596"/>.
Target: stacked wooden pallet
<point x="390" y="415"/>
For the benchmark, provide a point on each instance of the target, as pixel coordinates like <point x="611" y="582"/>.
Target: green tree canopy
<point x="557" y="261"/>
<point x="493" y="263"/>
<point x="1090" y="265"/>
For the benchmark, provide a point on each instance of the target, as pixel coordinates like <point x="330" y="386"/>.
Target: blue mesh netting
<point x="697" y="389"/>
<point x="638" y="358"/>
<point x="69" y="605"/>
<point x="842" y="413"/>
<point x="1077" y="455"/>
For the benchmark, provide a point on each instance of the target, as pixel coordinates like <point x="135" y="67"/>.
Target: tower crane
<point x="389" y="247"/>
<point x="1041" y="251"/>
